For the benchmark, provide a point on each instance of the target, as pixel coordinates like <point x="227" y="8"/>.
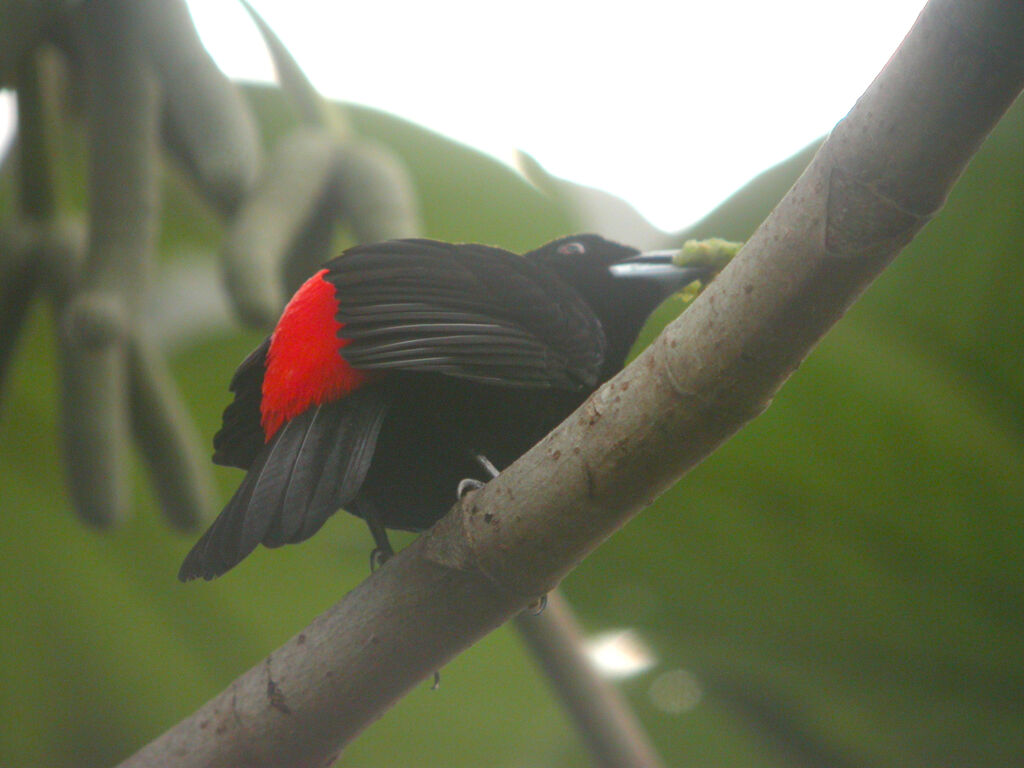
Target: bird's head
<point x="621" y="284"/>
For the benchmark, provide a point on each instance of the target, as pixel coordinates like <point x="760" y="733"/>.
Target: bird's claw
<point x="537" y="606"/>
<point x="467" y="485"/>
<point x="484" y="462"/>
<point x="379" y="556"/>
<point x="471" y="484"/>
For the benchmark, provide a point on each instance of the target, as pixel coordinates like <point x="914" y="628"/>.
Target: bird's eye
<point x="571" y="249"/>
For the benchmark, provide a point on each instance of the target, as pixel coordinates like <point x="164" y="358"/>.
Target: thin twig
<point x="602" y="716"/>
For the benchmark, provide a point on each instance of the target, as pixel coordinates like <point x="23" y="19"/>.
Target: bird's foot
<point x="379" y="556"/>
<point x="537" y="606"/>
<point x="467" y="485"/>
<point x="472" y="484"/>
<point x="382" y="551"/>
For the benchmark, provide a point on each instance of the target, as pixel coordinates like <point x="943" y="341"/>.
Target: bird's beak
<point x="659" y="267"/>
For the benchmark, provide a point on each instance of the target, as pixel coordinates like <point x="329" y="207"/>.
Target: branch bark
<point x="882" y="173"/>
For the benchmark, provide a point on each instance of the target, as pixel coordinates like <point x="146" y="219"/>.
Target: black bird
<point x="401" y="368"/>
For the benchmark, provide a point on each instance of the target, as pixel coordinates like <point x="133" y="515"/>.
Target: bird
<point x="401" y="368"/>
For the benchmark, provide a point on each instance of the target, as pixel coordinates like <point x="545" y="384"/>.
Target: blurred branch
<point x="280" y="205"/>
<point x="208" y="125"/>
<point x="145" y="68"/>
<point x="284" y="228"/>
<point x="313" y="108"/>
<point x="99" y="281"/>
<point x="883" y="172"/>
<point x="594" y="210"/>
<point x="34" y="255"/>
<point x="321" y="173"/>
<point x="36" y="197"/>
<point x="24" y="22"/>
<point x="166" y="437"/>
<point x="122" y="227"/>
<point x="18" y="281"/>
<point x="376" y="193"/>
<point x="20" y="278"/>
<point x="598" y="709"/>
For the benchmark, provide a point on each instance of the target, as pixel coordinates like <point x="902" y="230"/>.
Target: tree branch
<point x="882" y="173"/>
<point x="600" y="712"/>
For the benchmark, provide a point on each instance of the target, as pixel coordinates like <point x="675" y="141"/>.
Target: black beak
<point x="658" y="267"/>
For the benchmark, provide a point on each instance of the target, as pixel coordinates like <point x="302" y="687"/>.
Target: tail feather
<point x="307" y="469"/>
<point x="352" y="450"/>
<point x="330" y="468"/>
<point x="219" y="548"/>
<point x="314" y="465"/>
<point x="267" y="502"/>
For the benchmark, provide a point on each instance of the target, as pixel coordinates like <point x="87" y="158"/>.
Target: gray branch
<point x="880" y="176"/>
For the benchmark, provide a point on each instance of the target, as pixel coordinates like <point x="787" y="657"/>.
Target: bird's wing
<point x="312" y="466"/>
<point x="466" y="311"/>
<point x="470" y="312"/>
<point x="240" y="437"/>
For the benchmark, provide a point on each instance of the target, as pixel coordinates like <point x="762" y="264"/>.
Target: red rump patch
<point x="304" y="366"/>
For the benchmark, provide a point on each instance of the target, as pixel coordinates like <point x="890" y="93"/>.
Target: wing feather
<point x="313" y="466"/>
<point x="241" y="437"/>
<point x="465" y="311"/>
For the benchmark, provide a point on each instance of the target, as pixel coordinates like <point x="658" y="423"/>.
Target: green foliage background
<point x="844" y="579"/>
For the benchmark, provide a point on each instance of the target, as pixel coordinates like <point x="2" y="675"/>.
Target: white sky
<point x="669" y="105"/>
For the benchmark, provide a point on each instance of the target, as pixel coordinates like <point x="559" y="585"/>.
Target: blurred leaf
<point x="594" y="210"/>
